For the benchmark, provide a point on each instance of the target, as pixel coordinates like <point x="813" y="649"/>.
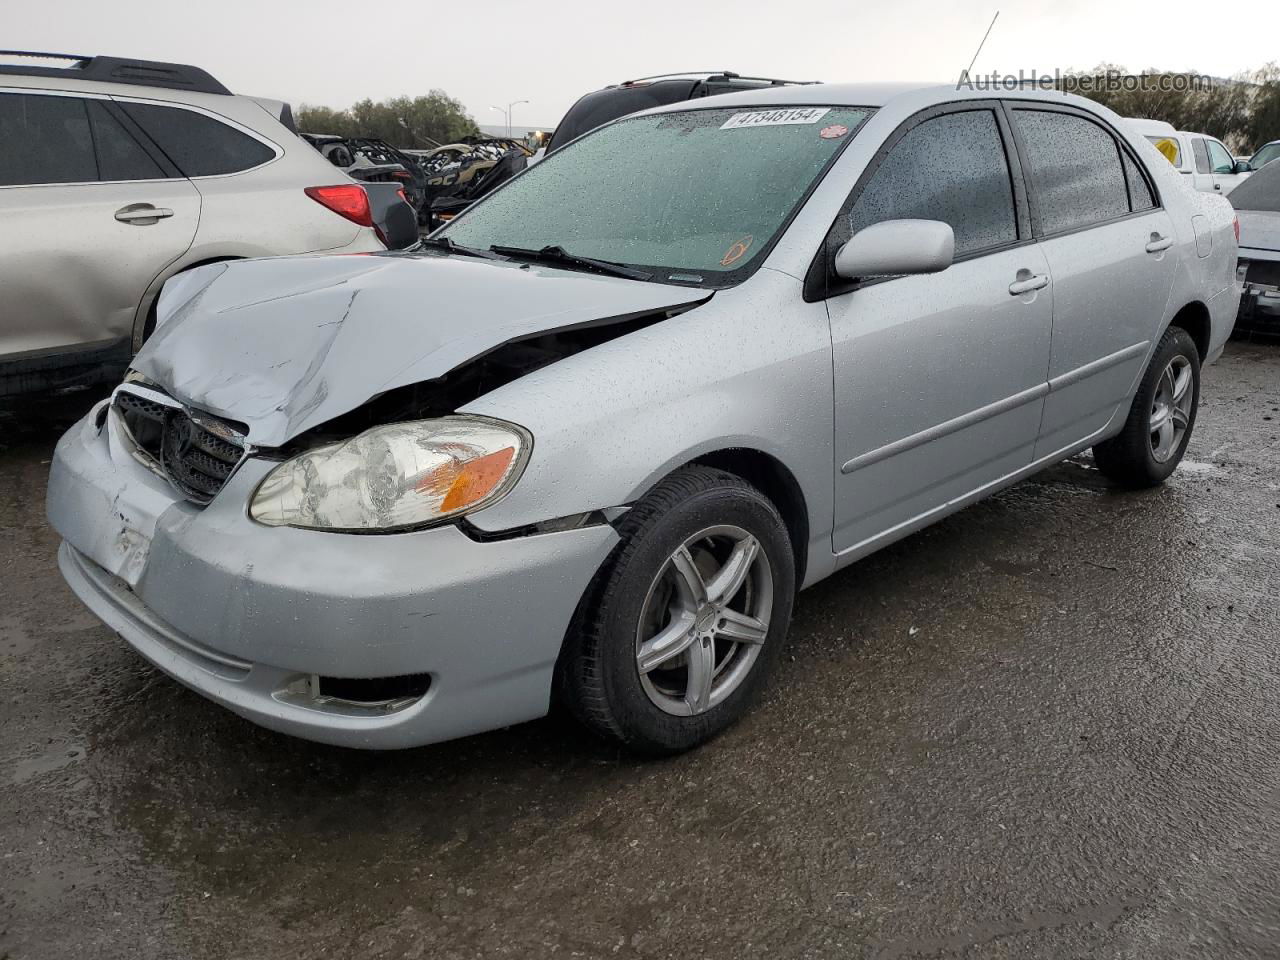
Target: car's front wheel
<point x="1158" y="428"/>
<point x="686" y="619"/>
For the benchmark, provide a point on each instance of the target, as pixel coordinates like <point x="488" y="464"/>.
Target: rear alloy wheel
<point x="685" y="620"/>
<point x="1171" y="409"/>
<point x="1156" y="433"/>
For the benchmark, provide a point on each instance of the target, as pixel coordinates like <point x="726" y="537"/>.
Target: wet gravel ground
<point x="1047" y="727"/>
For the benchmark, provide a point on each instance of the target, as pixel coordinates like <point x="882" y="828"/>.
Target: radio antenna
<point x="965" y="76"/>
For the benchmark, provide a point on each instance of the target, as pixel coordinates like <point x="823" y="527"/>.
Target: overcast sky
<point x="549" y="52"/>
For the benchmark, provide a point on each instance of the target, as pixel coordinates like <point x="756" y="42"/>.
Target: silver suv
<point x="117" y="174"/>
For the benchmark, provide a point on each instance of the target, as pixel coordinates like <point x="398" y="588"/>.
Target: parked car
<point x="370" y="160"/>
<point x="1208" y="164"/>
<point x="1257" y="205"/>
<point x="115" y="175"/>
<point x="631" y="96"/>
<point x="1266" y="153"/>
<point x="590" y="441"/>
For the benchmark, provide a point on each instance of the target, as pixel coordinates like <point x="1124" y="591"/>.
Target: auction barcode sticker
<point x="775" y="118"/>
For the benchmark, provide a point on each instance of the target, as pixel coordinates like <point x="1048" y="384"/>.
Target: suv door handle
<point x="142" y="214"/>
<point x="1026" y="282"/>
<point x="1159" y="243"/>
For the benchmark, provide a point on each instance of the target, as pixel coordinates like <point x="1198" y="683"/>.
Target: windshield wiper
<point x="447" y="245"/>
<point x="556" y="254"/>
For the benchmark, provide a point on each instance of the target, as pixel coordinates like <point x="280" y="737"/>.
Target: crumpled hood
<point x="1259" y="229"/>
<point x="285" y="344"/>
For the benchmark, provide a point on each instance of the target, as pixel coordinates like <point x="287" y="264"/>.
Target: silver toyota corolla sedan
<point x="590" y="441"/>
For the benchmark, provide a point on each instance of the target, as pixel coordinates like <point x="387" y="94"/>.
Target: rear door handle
<point x="1159" y="243"/>
<point x="142" y="213"/>
<point x="1026" y="284"/>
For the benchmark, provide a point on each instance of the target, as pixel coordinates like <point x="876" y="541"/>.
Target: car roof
<point x="1145" y="126"/>
<point x="913" y="96"/>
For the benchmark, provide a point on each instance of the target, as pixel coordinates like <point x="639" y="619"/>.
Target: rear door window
<point x="120" y="156"/>
<point x="1140" y="197"/>
<point x="45" y="139"/>
<point x="951" y="168"/>
<point x="1202" y="155"/>
<point x="198" y="145"/>
<point x="1076" y="170"/>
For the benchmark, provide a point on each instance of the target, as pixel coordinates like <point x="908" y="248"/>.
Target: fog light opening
<point x="372" y="691"/>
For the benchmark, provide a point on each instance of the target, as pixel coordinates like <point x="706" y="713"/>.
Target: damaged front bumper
<point x="276" y="623"/>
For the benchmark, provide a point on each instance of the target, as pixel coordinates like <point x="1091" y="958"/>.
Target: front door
<point x="939" y="379"/>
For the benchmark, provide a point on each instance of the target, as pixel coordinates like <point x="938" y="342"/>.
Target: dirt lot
<point x="1047" y="727"/>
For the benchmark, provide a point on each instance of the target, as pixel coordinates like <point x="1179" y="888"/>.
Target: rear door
<point x="1109" y="244"/>
<point x="253" y="202"/>
<point x="88" y="216"/>
<point x="939" y="379"/>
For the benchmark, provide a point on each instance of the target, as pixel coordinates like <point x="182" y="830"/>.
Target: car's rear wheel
<point x="1156" y="433"/>
<point x="686" y="619"/>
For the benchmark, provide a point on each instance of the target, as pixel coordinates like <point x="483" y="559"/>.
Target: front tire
<point x="1156" y="433"/>
<point x="686" y="619"/>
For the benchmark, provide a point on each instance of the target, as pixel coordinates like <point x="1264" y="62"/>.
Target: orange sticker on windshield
<point x="833" y="132"/>
<point x="736" y="252"/>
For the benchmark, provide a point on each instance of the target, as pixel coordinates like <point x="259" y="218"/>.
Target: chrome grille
<point x="194" y="451"/>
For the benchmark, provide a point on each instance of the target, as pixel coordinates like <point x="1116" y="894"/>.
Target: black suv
<point x="631" y="96"/>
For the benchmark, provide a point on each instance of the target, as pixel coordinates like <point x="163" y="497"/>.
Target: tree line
<point x="1243" y="111"/>
<point x="404" y="122"/>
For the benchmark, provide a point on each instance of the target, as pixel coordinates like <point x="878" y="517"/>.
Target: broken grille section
<point x="196" y="452"/>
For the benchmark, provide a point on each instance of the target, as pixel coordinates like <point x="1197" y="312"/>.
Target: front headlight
<point x="394" y="477"/>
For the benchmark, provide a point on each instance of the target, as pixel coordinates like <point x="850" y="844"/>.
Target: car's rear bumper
<point x="1259" y="312"/>
<point x="252" y="616"/>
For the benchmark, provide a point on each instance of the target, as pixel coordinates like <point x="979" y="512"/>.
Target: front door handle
<point x="1159" y="243"/>
<point x="1027" y="282"/>
<point x="1217" y="186"/>
<point x="142" y="214"/>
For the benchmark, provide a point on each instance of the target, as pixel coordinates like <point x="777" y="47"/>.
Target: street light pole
<point x="506" y="114"/>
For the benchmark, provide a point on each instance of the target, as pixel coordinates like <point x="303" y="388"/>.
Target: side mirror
<point x="892" y="248"/>
<point x="1243" y="166"/>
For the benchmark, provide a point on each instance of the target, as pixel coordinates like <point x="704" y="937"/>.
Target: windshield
<point x="1260" y="192"/>
<point x="694" y="196"/>
<point x="1265" y="155"/>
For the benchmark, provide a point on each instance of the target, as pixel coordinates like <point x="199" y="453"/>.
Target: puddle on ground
<point x="57" y="757"/>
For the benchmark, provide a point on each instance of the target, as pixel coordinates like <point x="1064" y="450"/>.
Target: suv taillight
<point x="346" y="200"/>
<point x="1235" y="225"/>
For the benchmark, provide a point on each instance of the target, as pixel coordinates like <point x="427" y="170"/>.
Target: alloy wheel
<point x="704" y="620"/>
<point x="1171" y="408"/>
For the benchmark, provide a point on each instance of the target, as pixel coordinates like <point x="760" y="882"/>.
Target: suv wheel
<point x="686" y="619"/>
<point x="1158" y="428"/>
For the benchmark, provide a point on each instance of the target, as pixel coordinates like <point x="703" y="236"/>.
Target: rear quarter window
<point x="198" y="145"/>
<point x="1168" y="146"/>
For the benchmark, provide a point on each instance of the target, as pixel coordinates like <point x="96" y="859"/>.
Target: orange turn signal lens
<point x="477" y="479"/>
